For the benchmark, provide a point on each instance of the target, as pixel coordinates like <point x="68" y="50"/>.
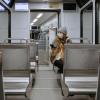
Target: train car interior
<point x="49" y="49"/>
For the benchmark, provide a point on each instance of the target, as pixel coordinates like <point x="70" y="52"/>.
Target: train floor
<point x="46" y="87"/>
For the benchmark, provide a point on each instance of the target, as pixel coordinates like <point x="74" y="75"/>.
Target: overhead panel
<point x="39" y="1"/>
<point x="71" y="1"/>
<point x="21" y="5"/>
<point x="21" y="1"/>
<point x="54" y="4"/>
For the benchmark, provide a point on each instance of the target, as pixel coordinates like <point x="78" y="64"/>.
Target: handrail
<point x="21" y="40"/>
<point x="88" y="41"/>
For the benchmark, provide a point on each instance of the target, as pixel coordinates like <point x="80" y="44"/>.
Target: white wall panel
<point x="3" y="26"/>
<point x="87" y="26"/>
<point x="20" y="25"/>
<point x="72" y="22"/>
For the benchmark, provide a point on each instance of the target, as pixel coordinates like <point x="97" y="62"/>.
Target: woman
<point x="57" y="49"/>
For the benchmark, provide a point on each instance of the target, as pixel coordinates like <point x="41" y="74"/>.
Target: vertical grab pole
<point x="98" y="86"/>
<point x="37" y="56"/>
<point x="2" y="97"/>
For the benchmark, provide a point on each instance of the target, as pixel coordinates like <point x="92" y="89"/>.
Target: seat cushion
<point x="80" y="85"/>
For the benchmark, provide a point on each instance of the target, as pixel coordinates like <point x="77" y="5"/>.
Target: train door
<point x="43" y="28"/>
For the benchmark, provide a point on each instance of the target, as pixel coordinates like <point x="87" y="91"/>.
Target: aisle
<point x="46" y="86"/>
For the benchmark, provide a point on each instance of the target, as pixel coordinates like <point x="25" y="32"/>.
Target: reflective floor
<point x="46" y="87"/>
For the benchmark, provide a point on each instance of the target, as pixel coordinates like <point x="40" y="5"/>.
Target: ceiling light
<point x="32" y="24"/>
<point x="35" y="20"/>
<point x="39" y="15"/>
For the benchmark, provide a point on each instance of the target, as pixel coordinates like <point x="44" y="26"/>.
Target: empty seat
<point x="33" y="49"/>
<point x="16" y="68"/>
<point x="81" y="62"/>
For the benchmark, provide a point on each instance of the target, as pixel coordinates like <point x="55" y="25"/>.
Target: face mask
<point x="60" y="35"/>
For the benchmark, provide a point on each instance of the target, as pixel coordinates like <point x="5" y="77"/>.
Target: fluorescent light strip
<point x="35" y="20"/>
<point x="39" y="15"/>
<point x="32" y="24"/>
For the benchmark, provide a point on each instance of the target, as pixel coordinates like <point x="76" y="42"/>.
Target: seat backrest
<point x="33" y="45"/>
<point x="81" y="59"/>
<point x="15" y="57"/>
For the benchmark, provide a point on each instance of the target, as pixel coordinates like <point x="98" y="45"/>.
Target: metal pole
<point x="98" y="86"/>
<point x="94" y="21"/>
<point x="2" y="97"/>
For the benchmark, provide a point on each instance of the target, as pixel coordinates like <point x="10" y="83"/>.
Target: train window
<point x="69" y="6"/>
<point x="2" y="8"/>
<point x="9" y="2"/>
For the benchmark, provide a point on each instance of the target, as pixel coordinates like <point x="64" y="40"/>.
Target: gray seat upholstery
<point x="33" y="49"/>
<point x="80" y="75"/>
<point x="16" y="68"/>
